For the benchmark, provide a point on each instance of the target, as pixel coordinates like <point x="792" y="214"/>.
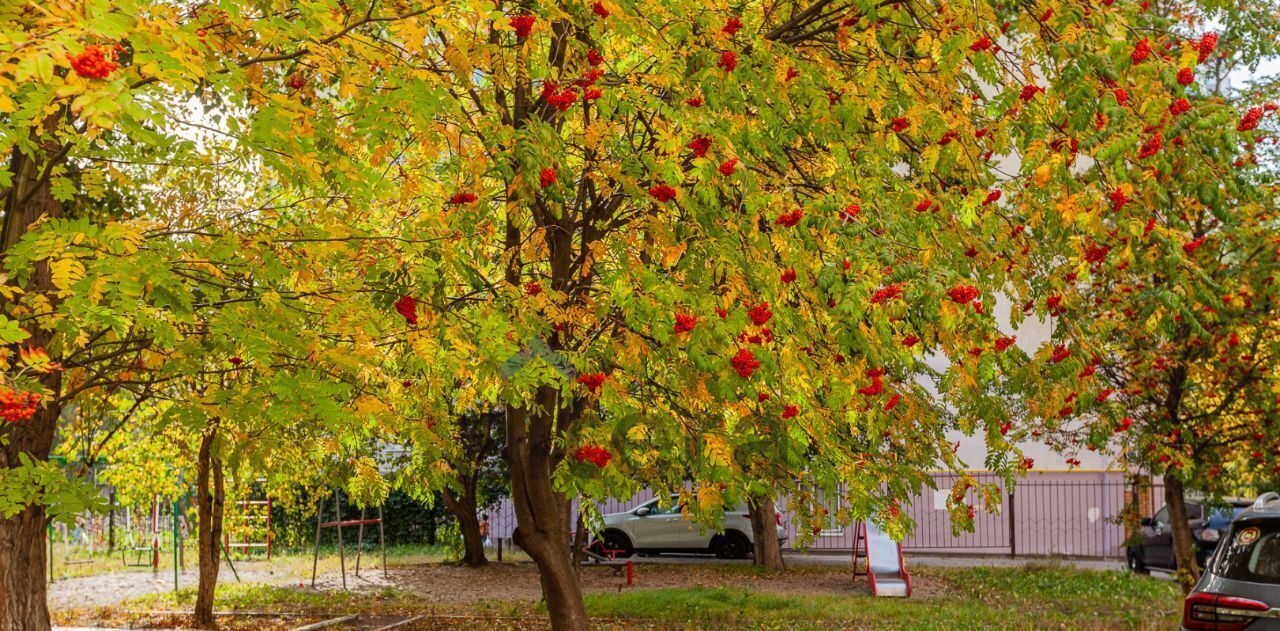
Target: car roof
<point x="1266" y="506"/>
<point x="1238" y="502"/>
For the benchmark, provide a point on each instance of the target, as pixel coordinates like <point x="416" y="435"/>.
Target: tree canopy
<point x="706" y="248"/>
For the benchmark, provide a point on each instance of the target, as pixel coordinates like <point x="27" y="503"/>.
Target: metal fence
<point x="1059" y="514"/>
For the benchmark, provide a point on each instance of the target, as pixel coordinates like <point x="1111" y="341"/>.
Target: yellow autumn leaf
<point x="638" y="432"/>
<point x="66" y="272"/>
<point x="716" y="450"/>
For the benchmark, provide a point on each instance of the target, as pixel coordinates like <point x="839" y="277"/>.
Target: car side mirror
<point x="1147" y="522"/>
<point x="642" y="511"/>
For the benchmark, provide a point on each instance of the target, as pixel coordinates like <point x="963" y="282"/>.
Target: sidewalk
<point x="926" y="560"/>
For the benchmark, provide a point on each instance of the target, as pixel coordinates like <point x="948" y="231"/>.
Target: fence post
<point x="177" y="545"/>
<point x="1106" y="515"/>
<point x="1013" y="530"/>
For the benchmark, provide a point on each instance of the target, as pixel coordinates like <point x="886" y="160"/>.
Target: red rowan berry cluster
<point x="760" y="314"/>
<point x="877" y="386"/>
<point x="790" y="219"/>
<point x="886" y="293"/>
<point x="592" y="381"/>
<point x="1141" y="51"/>
<point x="728" y="61"/>
<point x="407" y="306"/>
<point x="560" y="99"/>
<point x="699" y="146"/>
<point x="685" y="322"/>
<point x="96" y="62"/>
<point x="1250" y="120"/>
<point x="596" y="455"/>
<point x="1152" y="146"/>
<point x="745" y="363"/>
<point x="523" y="24"/>
<point x="963" y="294"/>
<point x="17" y="406"/>
<point x="1205" y="46"/>
<point x="662" y="192"/>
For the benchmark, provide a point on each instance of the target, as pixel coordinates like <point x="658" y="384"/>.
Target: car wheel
<point x="615" y="540"/>
<point x="1135" y="562"/>
<point x="732" y="546"/>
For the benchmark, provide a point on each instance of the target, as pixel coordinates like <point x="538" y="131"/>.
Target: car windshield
<point x="1224" y="513"/>
<point x="1252" y="554"/>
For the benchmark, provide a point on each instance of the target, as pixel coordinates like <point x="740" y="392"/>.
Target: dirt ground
<point x="453" y="584"/>
<point x="439" y="583"/>
<point x="108" y="589"/>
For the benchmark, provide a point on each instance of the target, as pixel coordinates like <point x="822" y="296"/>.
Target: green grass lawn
<point x="1039" y="597"/>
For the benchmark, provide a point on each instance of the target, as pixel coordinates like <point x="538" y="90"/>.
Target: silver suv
<point x="651" y="528"/>
<point x="1240" y="587"/>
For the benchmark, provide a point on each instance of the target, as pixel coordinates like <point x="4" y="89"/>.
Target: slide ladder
<point x="886" y="572"/>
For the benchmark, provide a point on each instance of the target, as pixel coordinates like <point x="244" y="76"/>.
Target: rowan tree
<point x="97" y="103"/>
<point x="1159" y="265"/>
<point x="633" y="186"/>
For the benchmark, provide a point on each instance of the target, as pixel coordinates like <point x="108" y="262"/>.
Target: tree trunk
<point x="1183" y="546"/>
<point x="764" y="530"/>
<point x="542" y="528"/>
<point x="111" y="522"/>
<point x="209" y="503"/>
<point x="23" y="551"/>
<point x="579" y="540"/>
<point x="463" y="507"/>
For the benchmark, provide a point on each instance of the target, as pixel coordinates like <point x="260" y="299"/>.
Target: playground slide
<point x="884" y="564"/>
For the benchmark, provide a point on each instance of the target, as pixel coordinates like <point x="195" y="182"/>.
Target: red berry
<point x="407" y="307"/>
<point x="1141" y="51"/>
<point x="592" y="381"/>
<point x="662" y="192"/>
<point x="547" y="177"/>
<point x="523" y="25"/>
<point x="745" y="363"/>
<point x="728" y="61"/>
<point x="96" y="62"/>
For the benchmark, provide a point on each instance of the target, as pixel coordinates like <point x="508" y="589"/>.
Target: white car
<point x="650" y="528"/>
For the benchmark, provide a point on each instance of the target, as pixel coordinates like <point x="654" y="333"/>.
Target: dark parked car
<point x="1240" y="587"/>
<point x="1154" y="549"/>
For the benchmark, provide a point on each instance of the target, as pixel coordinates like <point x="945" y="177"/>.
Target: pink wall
<point x="1054" y="514"/>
